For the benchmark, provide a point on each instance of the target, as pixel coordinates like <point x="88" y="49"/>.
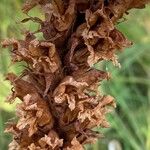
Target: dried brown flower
<point x="60" y="103"/>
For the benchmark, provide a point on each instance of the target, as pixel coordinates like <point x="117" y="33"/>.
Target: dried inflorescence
<point x="60" y="103"/>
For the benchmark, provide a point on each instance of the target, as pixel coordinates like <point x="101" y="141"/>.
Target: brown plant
<point x="60" y="103"/>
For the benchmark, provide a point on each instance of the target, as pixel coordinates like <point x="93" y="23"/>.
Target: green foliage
<point x="130" y="85"/>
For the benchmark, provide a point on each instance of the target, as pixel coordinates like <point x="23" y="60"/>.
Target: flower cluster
<point x="60" y="103"/>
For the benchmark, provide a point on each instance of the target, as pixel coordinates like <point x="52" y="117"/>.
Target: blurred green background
<point x="130" y="85"/>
